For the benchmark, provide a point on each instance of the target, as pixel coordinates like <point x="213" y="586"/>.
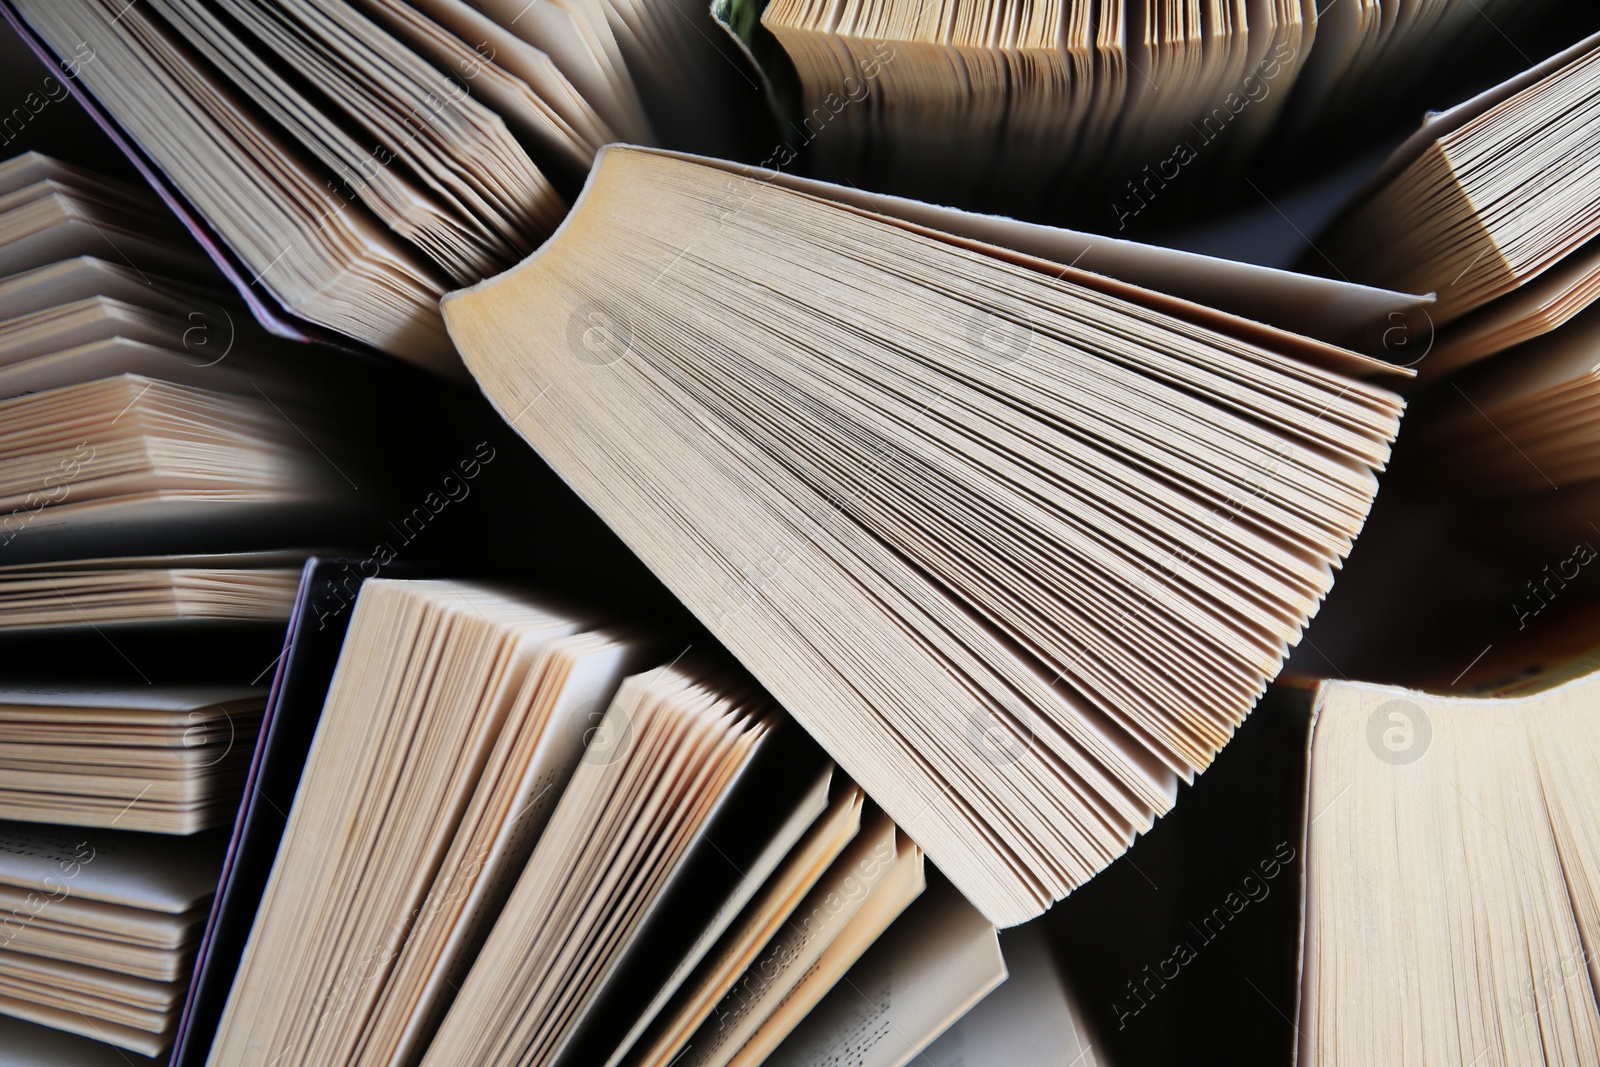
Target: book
<point x="129" y="450"/>
<point x="163" y="760"/>
<point x="563" y="79"/>
<point x="1486" y="206"/>
<point x="221" y="587"/>
<point x="31" y="1045"/>
<point x="889" y="519"/>
<point x="684" y="840"/>
<point x="698" y="794"/>
<point x="1403" y="869"/>
<point x="1023" y="103"/>
<point x="514" y="713"/>
<point x="901" y="1000"/>
<point x="79" y="319"/>
<point x="1465" y="821"/>
<point x="100" y="925"/>
<point x="300" y="677"/>
<point x="302" y="673"/>
<point x="864" y="891"/>
<point x="355" y="203"/>
<point x="668" y="1028"/>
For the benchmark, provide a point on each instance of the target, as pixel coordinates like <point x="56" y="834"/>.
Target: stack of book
<point x="102" y="929"/>
<point x="169" y="469"/>
<point x="650" y="593"/>
<point x="120" y="426"/>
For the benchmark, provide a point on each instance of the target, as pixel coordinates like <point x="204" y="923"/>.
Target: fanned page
<point x="83" y="318"/>
<point x="863" y="891"/>
<point x="1491" y="204"/>
<point x="1033" y="98"/>
<point x="50" y="210"/>
<point x="1235" y="296"/>
<point x="728" y="962"/>
<point x="679" y="741"/>
<point x="417" y="790"/>
<point x="85" y="277"/>
<point x="325" y="260"/>
<point x="938" y="960"/>
<point x="1018" y="551"/>
<point x="353" y="157"/>
<point x="1470" y="824"/>
<point x="557" y="55"/>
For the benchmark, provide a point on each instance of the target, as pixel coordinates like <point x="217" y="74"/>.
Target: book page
<point x="157" y="873"/>
<point x="1032" y="1020"/>
<point x="31" y="1045"/>
<point x="939" y="959"/>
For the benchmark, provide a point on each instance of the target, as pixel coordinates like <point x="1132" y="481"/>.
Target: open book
<point x="1019" y="544"/>
<point x="502" y="723"/>
<point x="616" y="871"/>
<point x="347" y="163"/>
<point x="1377" y="874"/>
<point x="1491" y="205"/>
<point x="1469" y="823"/>
<point x="355" y="159"/>
<point x="1013" y="102"/>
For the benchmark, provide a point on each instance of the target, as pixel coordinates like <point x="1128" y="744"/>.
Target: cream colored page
<point x="884" y="903"/>
<point x="1431" y="817"/>
<point x="936" y="962"/>
<point x="825" y="912"/>
<point x="739" y="947"/>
